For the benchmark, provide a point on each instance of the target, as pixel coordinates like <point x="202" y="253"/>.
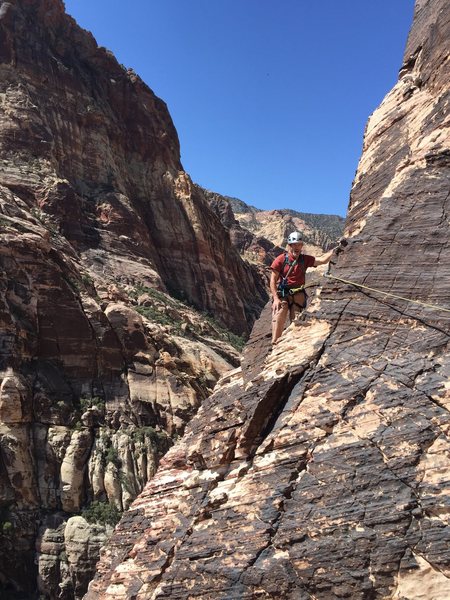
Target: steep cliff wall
<point x="89" y="144"/>
<point x="320" y="468"/>
<point x="107" y="255"/>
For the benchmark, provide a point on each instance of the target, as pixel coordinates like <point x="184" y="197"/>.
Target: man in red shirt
<point x="287" y="281"/>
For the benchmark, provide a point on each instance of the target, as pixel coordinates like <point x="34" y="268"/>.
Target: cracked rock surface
<point x="320" y="468"/>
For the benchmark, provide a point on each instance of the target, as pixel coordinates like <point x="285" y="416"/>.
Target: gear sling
<point x="284" y="291"/>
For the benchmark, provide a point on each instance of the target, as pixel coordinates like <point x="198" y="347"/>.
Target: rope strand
<point x="366" y="287"/>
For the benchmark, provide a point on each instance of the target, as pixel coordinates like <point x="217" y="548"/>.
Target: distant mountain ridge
<point x="319" y="230"/>
<point x="331" y="226"/>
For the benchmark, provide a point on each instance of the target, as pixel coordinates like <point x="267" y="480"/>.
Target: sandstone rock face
<point x="79" y="131"/>
<point x="119" y="295"/>
<point x="91" y="393"/>
<point x="319" y="469"/>
<point x="67" y="552"/>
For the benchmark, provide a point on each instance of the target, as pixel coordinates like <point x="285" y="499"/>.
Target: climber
<point x="287" y="282"/>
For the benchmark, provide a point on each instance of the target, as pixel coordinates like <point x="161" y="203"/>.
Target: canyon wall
<point x="319" y="468"/>
<point x="89" y="144"/>
<point x="122" y="300"/>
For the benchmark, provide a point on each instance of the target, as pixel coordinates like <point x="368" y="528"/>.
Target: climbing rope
<point x="366" y="287"/>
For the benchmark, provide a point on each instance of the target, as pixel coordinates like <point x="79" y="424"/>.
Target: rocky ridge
<point x="319" y="231"/>
<point x="319" y="469"/>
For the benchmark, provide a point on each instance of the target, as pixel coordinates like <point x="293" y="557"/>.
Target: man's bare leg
<point x="278" y="321"/>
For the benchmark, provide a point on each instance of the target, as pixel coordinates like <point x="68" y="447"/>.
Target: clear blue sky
<point x="269" y="97"/>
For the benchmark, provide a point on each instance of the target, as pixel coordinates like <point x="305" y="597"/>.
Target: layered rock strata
<point x="79" y="131"/>
<point x="119" y="295"/>
<point x="319" y="469"/>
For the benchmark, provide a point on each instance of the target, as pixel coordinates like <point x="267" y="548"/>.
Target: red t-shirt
<point x="297" y="275"/>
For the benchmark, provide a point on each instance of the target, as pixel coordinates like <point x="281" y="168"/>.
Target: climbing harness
<point x="290" y="297"/>
<point x="366" y="287"/>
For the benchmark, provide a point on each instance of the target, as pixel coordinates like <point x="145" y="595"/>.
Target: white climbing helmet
<point x="294" y="237"/>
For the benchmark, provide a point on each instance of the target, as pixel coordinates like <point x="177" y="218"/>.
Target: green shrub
<point x="112" y="456"/>
<point x="236" y="341"/>
<point x="7" y="528"/>
<point x="45" y="220"/>
<point x="160" y="439"/>
<point x="154" y="315"/>
<point x="87" y="279"/>
<point x="177" y="299"/>
<point x="102" y="512"/>
<point x="86" y="403"/>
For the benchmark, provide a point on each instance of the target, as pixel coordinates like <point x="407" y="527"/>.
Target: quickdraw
<point x="297" y="290"/>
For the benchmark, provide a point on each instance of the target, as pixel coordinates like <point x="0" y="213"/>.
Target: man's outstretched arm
<point x="324" y="259"/>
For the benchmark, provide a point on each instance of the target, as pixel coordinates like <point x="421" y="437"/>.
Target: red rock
<point x="321" y="469"/>
<point x="95" y="209"/>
